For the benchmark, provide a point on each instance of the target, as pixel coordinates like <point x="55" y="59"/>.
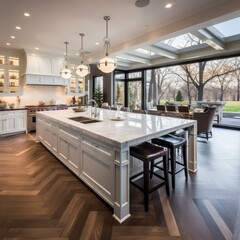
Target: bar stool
<point x="173" y="143"/>
<point x="147" y="153"/>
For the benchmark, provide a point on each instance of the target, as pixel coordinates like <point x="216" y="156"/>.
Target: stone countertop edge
<point x="108" y="139"/>
<point x="13" y="109"/>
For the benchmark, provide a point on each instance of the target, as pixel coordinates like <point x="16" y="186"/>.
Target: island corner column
<point x="192" y="148"/>
<point x="121" y="197"/>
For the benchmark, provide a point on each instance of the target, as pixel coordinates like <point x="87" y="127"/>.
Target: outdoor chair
<point x="205" y="121"/>
<point x="184" y="110"/>
<point x="139" y="111"/>
<point x="171" y="108"/>
<point x="161" y="109"/>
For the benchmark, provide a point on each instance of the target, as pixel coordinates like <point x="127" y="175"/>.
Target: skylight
<point x="229" y="28"/>
<point x="183" y="41"/>
<point x="144" y="51"/>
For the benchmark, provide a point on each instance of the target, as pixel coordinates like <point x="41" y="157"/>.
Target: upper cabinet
<point x="43" y="69"/>
<point x="76" y="86"/>
<point x="10" y="83"/>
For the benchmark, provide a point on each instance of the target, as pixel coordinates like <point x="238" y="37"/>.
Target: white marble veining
<point x="135" y="126"/>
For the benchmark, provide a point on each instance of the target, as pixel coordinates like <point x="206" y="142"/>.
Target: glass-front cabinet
<point x="76" y="86"/>
<point x="9" y="75"/>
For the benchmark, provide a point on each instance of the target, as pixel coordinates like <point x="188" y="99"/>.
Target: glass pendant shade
<point x="65" y="71"/>
<point x="82" y="70"/>
<point x="107" y="64"/>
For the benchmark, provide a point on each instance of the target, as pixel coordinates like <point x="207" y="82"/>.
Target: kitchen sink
<point x="85" y="120"/>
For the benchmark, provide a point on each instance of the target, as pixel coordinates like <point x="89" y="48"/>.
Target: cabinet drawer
<point x="7" y="113"/>
<point x="97" y="148"/>
<point x="68" y="135"/>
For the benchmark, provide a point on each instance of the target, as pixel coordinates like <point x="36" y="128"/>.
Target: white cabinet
<point x="48" y="133"/>
<point x="61" y="141"/>
<point x="13" y="121"/>
<point x="76" y="86"/>
<point x="68" y="148"/>
<point x="10" y="83"/>
<point x="97" y="166"/>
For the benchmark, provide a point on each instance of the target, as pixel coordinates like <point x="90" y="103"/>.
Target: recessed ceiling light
<point x="146" y="26"/>
<point x="77" y="54"/>
<point x="18" y="28"/>
<point x="12" y="37"/>
<point x="8" y="44"/>
<point x="97" y="43"/>
<point x="169" y="5"/>
<point x="26" y="14"/>
<point x="37" y="48"/>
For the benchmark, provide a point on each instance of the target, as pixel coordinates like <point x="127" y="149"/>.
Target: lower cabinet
<point x="90" y="159"/>
<point x="48" y="133"/>
<point x="13" y="121"/>
<point x="97" y="166"/>
<point x="69" y="149"/>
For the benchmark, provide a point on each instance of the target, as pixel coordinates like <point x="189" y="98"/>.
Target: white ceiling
<point x="54" y="21"/>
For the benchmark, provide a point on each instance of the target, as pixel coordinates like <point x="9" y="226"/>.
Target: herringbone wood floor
<point x="41" y="199"/>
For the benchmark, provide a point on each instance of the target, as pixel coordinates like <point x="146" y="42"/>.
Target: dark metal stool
<point x="147" y="153"/>
<point x="173" y="143"/>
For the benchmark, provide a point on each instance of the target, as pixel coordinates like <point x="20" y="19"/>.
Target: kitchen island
<point x="97" y="151"/>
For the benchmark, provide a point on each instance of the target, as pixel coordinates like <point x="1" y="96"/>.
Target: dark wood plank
<point x="41" y="199"/>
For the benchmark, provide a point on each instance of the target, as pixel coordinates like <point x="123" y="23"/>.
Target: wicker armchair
<point x="205" y="121"/>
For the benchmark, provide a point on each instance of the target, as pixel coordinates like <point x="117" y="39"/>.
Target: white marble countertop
<point x="135" y="128"/>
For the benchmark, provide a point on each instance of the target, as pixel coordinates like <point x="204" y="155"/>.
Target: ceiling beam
<point x="133" y="58"/>
<point x="123" y="64"/>
<point x="223" y="11"/>
<point x="161" y="51"/>
<point x="207" y="37"/>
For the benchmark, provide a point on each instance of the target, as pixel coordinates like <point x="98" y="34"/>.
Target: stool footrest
<point x="151" y="189"/>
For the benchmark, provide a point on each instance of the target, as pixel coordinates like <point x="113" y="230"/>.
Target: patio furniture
<point x="205" y="121"/>
<point x="219" y="107"/>
<point x="139" y="111"/>
<point x="161" y="109"/>
<point x="171" y="108"/>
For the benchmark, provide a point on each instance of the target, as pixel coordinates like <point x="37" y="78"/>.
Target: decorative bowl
<point x="3" y="105"/>
<point x="79" y="109"/>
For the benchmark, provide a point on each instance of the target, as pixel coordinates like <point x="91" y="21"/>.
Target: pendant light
<point x="82" y="70"/>
<point x="107" y="64"/>
<point x="66" y="72"/>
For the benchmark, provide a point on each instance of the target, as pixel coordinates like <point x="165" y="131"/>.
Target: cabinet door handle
<point x="95" y="145"/>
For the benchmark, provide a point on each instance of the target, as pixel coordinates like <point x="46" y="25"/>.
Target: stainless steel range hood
<point x="43" y="69"/>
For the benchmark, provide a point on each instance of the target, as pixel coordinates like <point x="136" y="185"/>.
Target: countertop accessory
<point x="119" y="118"/>
<point x="80" y="109"/>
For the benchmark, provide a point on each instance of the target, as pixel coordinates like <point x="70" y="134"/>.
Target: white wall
<point x="33" y="94"/>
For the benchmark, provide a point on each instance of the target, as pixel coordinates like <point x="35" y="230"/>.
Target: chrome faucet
<point x="95" y="107"/>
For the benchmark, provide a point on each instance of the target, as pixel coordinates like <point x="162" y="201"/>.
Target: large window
<point x="135" y="94"/>
<point x="120" y="92"/>
<point x="98" y="84"/>
<point x="128" y="89"/>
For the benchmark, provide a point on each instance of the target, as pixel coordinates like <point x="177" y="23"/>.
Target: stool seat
<point x="147" y="150"/>
<point x="179" y="133"/>
<point x="169" y="140"/>
<point x="147" y="153"/>
<point x="172" y="143"/>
